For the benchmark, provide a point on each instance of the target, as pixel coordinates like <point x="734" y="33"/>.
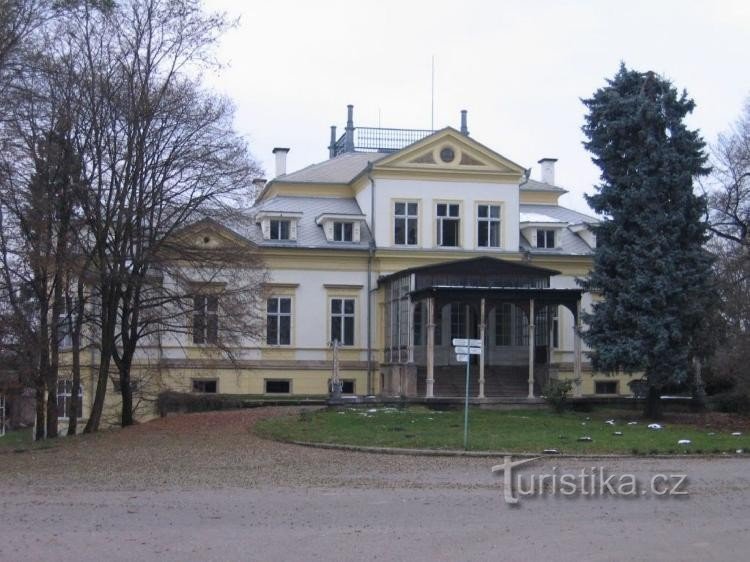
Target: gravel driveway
<point x="203" y="487"/>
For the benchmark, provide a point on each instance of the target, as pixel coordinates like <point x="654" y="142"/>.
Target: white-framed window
<point x="405" y="223"/>
<point x="343" y="231"/>
<point x="448" y="221"/>
<point x="545" y="238"/>
<point x="279" y="321"/>
<point x="488" y="226"/>
<point x="205" y="318"/>
<point x="342" y="320"/>
<point x="66" y="404"/>
<point x="280" y="229"/>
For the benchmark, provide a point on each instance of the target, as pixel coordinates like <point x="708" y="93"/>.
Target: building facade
<point x="400" y="242"/>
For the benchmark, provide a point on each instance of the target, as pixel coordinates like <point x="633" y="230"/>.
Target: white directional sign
<point x="469" y="350"/>
<point x="462" y="358"/>
<point x="466" y="343"/>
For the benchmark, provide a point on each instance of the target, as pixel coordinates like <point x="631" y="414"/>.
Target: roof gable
<point x="448" y="151"/>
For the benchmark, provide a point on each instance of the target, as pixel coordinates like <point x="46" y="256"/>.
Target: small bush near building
<point x="556" y="393"/>
<point x="737" y="402"/>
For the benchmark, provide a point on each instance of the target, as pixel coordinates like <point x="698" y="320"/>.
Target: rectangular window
<point x="488" y="226"/>
<point x="511" y="325"/>
<point x="279" y="229"/>
<point x="605" y="387"/>
<point x="448" y="224"/>
<point x="209" y="386"/>
<point x="405" y="223"/>
<point x="342" y="321"/>
<point x="347" y="386"/>
<point x="503" y="324"/>
<point x="279" y="321"/>
<point x="65" y="403"/>
<point x="205" y="318"/>
<point x="556" y="327"/>
<point x="278" y="387"/>
<point x="343" y="231"/>
<point x="458" y="321"/>
<point x="545" y="238"/>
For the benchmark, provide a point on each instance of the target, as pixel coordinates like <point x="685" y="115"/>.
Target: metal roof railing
<point x="376" y="139"/>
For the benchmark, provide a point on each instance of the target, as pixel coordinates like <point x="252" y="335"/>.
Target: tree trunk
<point x="698" y="390"/>
<point x="107" y="337"/>
<point x="40" y="408"/>
<point x="54" y="363"/>
<point x="653" y="408"/>
<point x="127" y="397"/>
<point x="97" y="405"/>
<point x="75" y="332"/>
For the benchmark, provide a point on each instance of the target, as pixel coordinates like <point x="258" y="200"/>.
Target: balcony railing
<point x="375" y="139"/>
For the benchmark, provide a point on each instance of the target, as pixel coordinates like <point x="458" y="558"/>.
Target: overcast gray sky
<point x="518" y="67"/>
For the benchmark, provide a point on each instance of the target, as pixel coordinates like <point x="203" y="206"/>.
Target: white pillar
<point x="577" y="350"/>
<point x="531" y="348"/>
<point x="482" y="328"/>
<point x="430" y="347"/>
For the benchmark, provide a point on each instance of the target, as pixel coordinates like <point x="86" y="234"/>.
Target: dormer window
<point x="280" y="229"/>
<point x="542" y="231"/>
<point x="279" y="226"/>
<point x="339" y="227"/>
<point x="545" y="238"/>
<point x="343" y="231"/>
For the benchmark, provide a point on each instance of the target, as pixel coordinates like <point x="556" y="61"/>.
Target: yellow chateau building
<point x="400" y="242"/>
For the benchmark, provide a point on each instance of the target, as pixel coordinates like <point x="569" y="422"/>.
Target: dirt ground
<point x="203" y="487"/>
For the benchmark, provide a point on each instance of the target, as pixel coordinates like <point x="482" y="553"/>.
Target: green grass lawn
<point x="501" y="430"/>
<point x="17" y="439"/>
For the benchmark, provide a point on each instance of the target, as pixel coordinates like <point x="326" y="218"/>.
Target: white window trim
<point x="330" y="315"/>
<point x="407" y="217"/>
<point x="68" y="395"/>
<point x="278" y="316"/>
<point x="499" y="220"/>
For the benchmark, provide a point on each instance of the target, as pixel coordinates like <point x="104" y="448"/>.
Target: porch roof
<point x="565" y="297"/>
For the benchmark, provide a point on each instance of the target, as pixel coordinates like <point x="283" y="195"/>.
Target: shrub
<point x="731" y="403"/>
<point x="556" y="393"/>
<point x="183" y="402"/>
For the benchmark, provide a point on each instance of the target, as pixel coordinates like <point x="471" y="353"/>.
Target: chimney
<point x="548" y="170"/>
<point x="349" y="129"/>
<point x="332" y="145"/>
<point x="280" y="160"/>
<point x="464" y="127"/>
<point x="259" y="184"/>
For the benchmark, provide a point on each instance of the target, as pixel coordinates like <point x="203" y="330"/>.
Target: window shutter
<point x="356" y="233"/>
<point x="328" y="230"/>
<point x="265" y="226"/>
<point x="292" y="230"/>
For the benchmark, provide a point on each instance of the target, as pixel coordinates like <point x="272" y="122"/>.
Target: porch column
<point x="577" y="349"/>
<point x="430" y="347"/>
<point x="482" y="327"/>
<point x="531" y="348"/>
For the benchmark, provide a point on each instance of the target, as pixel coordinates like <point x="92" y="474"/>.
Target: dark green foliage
<point x="556" y="394"/>
<point x="737" y="402"/>
<point x="650" y="264"/>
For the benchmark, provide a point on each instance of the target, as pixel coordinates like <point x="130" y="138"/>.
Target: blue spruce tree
<point x="650" y="265"/>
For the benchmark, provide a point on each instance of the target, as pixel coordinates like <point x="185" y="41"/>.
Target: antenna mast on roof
<point x="432" y="98"/>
